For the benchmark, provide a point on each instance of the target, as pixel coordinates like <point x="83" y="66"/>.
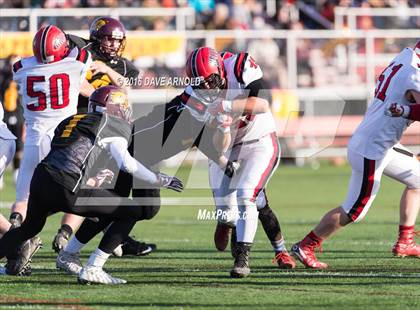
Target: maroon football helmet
<point x="109" y="35"/>
<point x="50" y="44"/>
<point x="111" y="100"/>
<point x="207" y="65"/>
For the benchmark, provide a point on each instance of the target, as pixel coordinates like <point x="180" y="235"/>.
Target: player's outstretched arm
<point x="86" y="89"/>
<point x="116" y="78"/>
<point x="118" y="148"/>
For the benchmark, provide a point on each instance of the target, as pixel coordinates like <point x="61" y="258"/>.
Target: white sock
<point x="73" y="246"/>
<point x="98" y="258"/>
<point x="247" y="224"/>
<point x="278" y="245"/>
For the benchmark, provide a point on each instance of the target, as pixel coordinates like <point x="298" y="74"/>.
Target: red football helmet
<point x="111" y="100"/>
<point x="50" y="44"/>
<point x="109" y="35"/>
<point x="207" y="65"/>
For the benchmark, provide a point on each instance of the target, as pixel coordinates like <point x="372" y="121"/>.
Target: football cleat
<point x="221" y="236"/>
<point x="284" y="260"/>
<point x="69" y="262"/>
<point x="405" y="246"/>
<point x="241" y="265"/>
<point x="406" y="249"/>
<point x="131" y="246"/>
<point x="20" y="264"/>
<point x="306" y="255"/>
<point x="60" y="240"/>
<point x="96" y="275"/>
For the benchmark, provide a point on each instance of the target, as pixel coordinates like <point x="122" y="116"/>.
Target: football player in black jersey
<point x="78" y="141"/>
<point x="106" y="44"/>
<point x="163" y="133"/>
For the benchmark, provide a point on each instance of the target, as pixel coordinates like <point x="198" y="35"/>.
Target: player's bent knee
<point x="150" y="212"/>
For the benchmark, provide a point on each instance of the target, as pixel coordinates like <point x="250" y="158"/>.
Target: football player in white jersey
<point x="7" y="151"/>
<point x="49" y="84"/>
<point x="231" y="89"/>
<point x="374" y="150"/>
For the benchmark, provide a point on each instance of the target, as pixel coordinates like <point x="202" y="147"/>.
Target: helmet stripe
<point x="194" y="64"/>
<point x="44" y="43"/>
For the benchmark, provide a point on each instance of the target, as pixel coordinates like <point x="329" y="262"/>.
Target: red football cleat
<point x="221" y="236"/>
<point x="306" y="255"/>
<point x="405" y="246"/>
<point x="284" y="260"/>
<point x="406" y="249"/>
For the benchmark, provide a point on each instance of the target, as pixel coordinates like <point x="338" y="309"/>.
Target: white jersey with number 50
<point x="378" y="133"/>
<point x="49" y="91"/>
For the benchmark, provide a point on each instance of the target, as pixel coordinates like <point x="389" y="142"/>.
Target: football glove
<point x="170" y="182"/>
<point x="103" y="176"/>
<point x="397" y="110"/>
<point x="231" y="168"/>
<point x="224" y="121"/>
<point x="220" y="107"/>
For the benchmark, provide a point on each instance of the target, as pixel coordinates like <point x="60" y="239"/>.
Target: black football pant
<point x="48" y="197"/>
<point x="118" y="230"/>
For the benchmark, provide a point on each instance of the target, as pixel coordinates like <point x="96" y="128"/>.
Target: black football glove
<point x="170" y="182"/>
<point x="231" y="168"/>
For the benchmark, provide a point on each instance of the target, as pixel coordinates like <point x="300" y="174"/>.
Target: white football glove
<point x="220" y="107"/>
<point x="223" y="122"/>
<point x="103" y="176"/>
<point x="170" y="182"/>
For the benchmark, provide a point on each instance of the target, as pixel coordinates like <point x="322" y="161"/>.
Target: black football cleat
<point x="241" y="266"/>
<point x="20" y="263"/>
<point x="131" y="246"/>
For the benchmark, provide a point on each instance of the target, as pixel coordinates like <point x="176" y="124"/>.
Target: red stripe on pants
<point x="269" y="169"/>
<point x="365" y="191"/>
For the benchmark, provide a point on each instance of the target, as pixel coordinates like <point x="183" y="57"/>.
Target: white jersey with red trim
<point x="49" y="92"/>
<point x="241" y="70"/>
<point x="378" y="133"/>
<point x="4" y="131"/>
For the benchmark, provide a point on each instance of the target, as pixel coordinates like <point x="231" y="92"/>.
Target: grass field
<point x="187" y="272"/>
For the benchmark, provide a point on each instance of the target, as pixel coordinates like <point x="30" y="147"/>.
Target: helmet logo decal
<point x="58" y="42"/>
<point x="99" y="24"/>
<point x="120" y="98"/>
<point x="117" y="34"/>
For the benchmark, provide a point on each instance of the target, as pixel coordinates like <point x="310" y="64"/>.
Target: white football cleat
<point x="69" y="262"/>
<point x="94" y="274"/>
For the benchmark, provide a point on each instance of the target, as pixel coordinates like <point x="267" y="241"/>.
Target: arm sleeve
<point x="259" y="88"/>
<point x="414" y="112"/>
<point x="117" y="146"/>
<point x="132" y="71"/>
